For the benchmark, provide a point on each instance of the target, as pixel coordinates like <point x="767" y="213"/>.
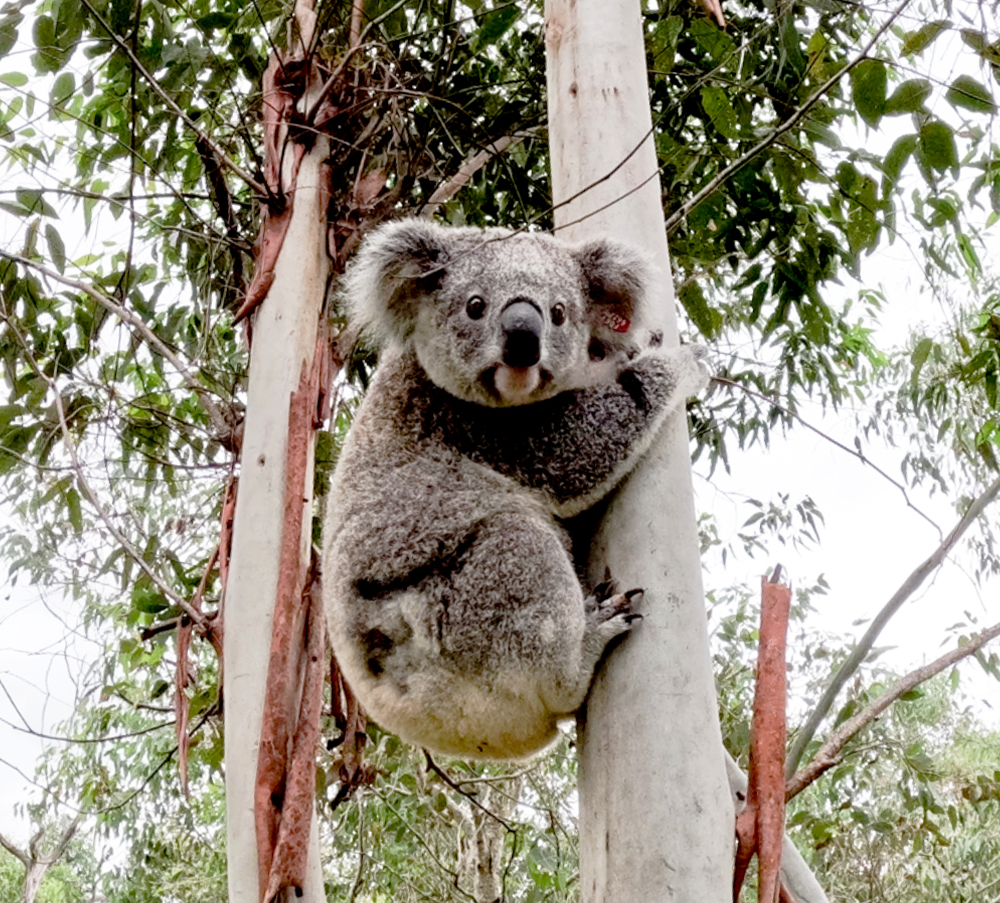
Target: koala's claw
<point x="618" y="605"/>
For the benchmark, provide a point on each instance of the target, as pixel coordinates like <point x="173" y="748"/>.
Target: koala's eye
<point x="475" y="307"/>
<point x="558" y="315"/>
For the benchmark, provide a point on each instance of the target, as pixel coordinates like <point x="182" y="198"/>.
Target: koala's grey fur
<point x="455" y="610"/>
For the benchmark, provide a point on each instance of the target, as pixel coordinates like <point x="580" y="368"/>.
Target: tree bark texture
<point x="656" y="816"/>
<point x="283" y="349"/>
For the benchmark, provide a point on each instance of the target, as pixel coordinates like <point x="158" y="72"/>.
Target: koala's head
<point x="496" y="317"/>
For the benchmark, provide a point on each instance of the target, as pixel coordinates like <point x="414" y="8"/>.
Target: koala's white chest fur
<point x="454" y="607"/>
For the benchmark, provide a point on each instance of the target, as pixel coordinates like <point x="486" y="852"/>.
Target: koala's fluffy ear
<point x="395" y="265"/>
<point x="618" y="278"/>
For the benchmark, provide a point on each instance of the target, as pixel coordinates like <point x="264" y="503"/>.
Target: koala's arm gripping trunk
<point x="656" y="817"/>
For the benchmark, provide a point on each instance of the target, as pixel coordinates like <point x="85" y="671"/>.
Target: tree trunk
<point x="283" y="348"/>
<point x="656" y="816"/>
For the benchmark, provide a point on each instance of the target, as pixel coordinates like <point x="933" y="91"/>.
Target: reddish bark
<point x="182" y="705"/>
<point x="282" y="88"/>
<point x="290" y="727"/>
<point x="760" y="826"/>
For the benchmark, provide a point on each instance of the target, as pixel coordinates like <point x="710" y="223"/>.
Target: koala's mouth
<point x="515" y="385"/>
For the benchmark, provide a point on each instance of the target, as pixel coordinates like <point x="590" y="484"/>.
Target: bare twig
<point x="223" y="157"/>
<point x="828" y="754"/>
<point x="675" y="219"/>
<point x="468" y="794"/>
<point x="909" y="586"/>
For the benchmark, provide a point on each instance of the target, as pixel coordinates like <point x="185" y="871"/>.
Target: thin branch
<point x="449" y="188"/>
<point x="828" y="754"/>
<point x="107" y="739"/>
<point x="851" y="451"/>
<point x="909" y="586"/>
<point x="15" y="851"/>
<point x="140" y="330"/>
<point x="674" y="220"/>
<point x="89" y="493"/>
<point x="224" y="158"/>
<point x="468" y="794"/>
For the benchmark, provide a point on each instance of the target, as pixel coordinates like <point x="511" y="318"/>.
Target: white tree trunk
<point x="656" y="816"/>
<point x="283" y="348"/>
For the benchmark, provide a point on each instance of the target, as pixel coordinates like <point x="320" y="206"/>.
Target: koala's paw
<point x="609" y="612"/>
<point x="693" y="372"/>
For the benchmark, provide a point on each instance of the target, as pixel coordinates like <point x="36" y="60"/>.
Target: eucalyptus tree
<point x="791" y="145"/>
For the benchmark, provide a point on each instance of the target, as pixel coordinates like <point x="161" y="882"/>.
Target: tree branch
<point x="674" y="220"/>
<point x="215" y="414"/>
<point x="91" y="496"/>
<point x="450" y="187"/>
<point x="223" y="157"/>
<point x="828" y="754"/>
<point x="851" y="451"/>
<point x="909" y="586"/>
<point x="15" y="851"/>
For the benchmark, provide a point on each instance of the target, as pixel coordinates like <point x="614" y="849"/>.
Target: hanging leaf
<point x="937" y="145"/>
<point x="918" y="41"/>
<point x="966" y="92"/>
<point x="57" y="249"/>
<point x="868" y="87"/>
<point x="720" y="111"/>
<point x="909" y="97"/>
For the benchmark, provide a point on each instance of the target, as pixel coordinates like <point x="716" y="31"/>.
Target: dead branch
<point x="450" y="187"/>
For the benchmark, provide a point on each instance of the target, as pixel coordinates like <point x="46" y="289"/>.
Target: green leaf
<point x="966" y="92"/>
<point x="918" y="357"/>
<point x="918" y="41"/>
<point x="8" y="32"/>
<point x="494" y="26"/>
<point x="968" y="252"/>
<point x="901" y="151"/>
<point x="868" y="87"/>
<point x="720" y="111"/>
<point x="909" y="97"/>
<point x="33" y="200"/>
<point x="937" y="145"/>
<point x="56" y="247"/>
<point x="62" y="89"/>
<point x="14" y="79"/>
<point x="704" y="316"/>
<point x="75" y="512"/>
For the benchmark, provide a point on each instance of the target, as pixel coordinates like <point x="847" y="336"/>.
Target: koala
<point x="512" y="392"/>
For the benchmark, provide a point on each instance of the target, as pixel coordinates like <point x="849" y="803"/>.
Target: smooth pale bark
<point x="656" y="816"/>
<point x="283" y="348"/>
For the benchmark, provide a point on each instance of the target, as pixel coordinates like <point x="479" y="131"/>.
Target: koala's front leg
<point x="576" y="447"/>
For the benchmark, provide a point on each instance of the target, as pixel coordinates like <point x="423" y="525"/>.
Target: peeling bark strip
<point x="291" y="852"/>
<point x="282" y="87"/>
<point x="290" y="678"/>
<point x="760" y="827"/>
<point x="182" y="705"/>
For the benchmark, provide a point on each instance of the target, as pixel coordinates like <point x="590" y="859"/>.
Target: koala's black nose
<point x="522" y="326"/>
